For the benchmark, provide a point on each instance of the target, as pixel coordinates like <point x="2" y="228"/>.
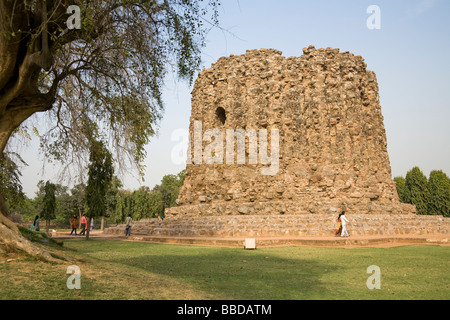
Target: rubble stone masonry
<point x="332" y="143"/>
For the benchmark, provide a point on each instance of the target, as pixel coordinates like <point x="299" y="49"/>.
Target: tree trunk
<point x="10" y="237"/>
<point x="5" y="132"/>
<point x="87" y="233"/>
<point x="12" y="240"/>
<point x="3" y="207"/>
<point x="20" y="97"/>
<point x="103" y="223"/>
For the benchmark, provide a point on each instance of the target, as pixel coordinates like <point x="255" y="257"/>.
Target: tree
<point x="65" y="208"/>
<point x="116" y="59"/>
<point x="170" y="188"/>
<point x="141" y="203"/>
<point x="49" y="202"/>
<point x="27" y="209"/>
<point x="112" y="199"/>
<point x="78" y="193"/>
<point x="156" y="203"/>
<point x="439" y="186"/>
<point x="123" y="206"/>
<point x="144" y="203"/>
<point x="417" y="185"/>
<point x="104" y="74"/>
<point x="10" y="185"/>
<point x="100" y="175"/>
<point x="402" y="191"/>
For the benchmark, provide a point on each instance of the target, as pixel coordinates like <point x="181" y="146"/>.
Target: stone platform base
<point x="264" y="242"/>
<point x="355" y="203"/>
<point x="306" y="226"/>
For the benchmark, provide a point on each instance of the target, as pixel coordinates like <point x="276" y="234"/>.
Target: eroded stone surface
<point x="332" y="142"/>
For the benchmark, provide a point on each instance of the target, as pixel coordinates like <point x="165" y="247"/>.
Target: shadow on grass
<point x="235" y="273"/>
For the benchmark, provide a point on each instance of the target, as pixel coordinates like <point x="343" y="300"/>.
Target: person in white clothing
<point x="343" y="223"/>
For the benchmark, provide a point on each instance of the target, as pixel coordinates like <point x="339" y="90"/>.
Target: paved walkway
<point x="352" y="241"/>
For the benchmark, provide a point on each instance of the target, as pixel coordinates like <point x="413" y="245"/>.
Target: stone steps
<point x="287" y="225"/>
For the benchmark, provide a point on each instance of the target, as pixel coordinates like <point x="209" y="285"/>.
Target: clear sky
<point x="410" y="55"/>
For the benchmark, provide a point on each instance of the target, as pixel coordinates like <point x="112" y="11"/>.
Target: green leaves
<point x="430" y="196"/>
<point x="401" y="189"/>
<point x="100" y="175"/>
<point x="49" y="202"/>
<point x="10" y="185"/>
<point x="144" y="203"/>
<point x="439" y="186"/>
<point x="418" y="193"/>
<point x="110" y="74"/>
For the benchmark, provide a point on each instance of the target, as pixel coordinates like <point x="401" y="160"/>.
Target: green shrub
<point x="418" y="191"/>
<point x="402" y="191"/>
<point x="439" y="186"/>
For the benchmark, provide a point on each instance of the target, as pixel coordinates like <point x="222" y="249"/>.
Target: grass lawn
<point x="133" y="270"/>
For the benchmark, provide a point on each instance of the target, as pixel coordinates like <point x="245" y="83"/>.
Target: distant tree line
<point x="430" y="196"/>
<point x="145" y="202"/>
<point x="58" y="203"/>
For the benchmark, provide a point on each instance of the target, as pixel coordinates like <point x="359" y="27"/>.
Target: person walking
<point x="344" y="221"/>
<point x="35" y="224"/>
<point x="128" y="222"/>
<point x="83" y="225"/>
<point x="73" y="224"/>
<point x="338" y="229"/>
<point x="161" y="219"/>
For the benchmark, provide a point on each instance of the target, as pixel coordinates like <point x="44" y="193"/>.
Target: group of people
<point x="83" y="226"/>
<point x="83" y="222"/>
<point x="73" y="223"/>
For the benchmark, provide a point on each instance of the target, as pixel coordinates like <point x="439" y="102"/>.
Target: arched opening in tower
<point x="221" y="115"/>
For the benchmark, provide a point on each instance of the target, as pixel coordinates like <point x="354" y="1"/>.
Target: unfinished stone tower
<point x="322" y="114"/>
